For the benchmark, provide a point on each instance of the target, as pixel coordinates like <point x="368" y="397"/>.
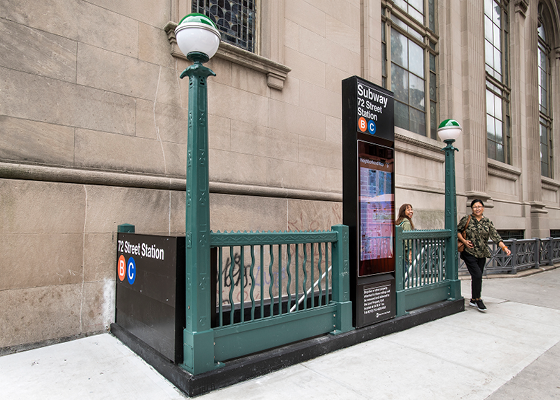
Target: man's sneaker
<point x="472" y="303"/>
<point x="481" y="306"/>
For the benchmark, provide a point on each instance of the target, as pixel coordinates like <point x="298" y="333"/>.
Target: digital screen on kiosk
<point x="377" y="212"/>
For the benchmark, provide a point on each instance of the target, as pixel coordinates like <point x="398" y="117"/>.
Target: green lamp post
<point x="448" y="131"/>
<point x="198" y="38"/>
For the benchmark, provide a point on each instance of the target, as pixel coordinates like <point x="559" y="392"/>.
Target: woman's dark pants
<point x="475" y="266"/>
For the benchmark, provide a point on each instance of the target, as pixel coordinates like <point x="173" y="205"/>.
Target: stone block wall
<point x="93" y="134"/>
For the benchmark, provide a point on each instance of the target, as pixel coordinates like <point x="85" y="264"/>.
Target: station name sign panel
<point x="374" y="110"/>
<point x="150" y="290"/>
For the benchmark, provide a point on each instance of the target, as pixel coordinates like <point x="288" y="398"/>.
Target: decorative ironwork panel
<point x="236" y="20"/>
<point x="424" y="257"/>
<point x="525" y="254"/>
<point x="424" y="262"/>
<point x="544" y="255"/>
<point x="555" y="250"/>
<point x="499" y="262"/>
<point x="264" y="280"/>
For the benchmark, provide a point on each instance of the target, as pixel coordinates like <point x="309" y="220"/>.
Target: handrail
<point x="426" y="234"/>
<point x="281" y="237"/>
<point x="304" y="296"/>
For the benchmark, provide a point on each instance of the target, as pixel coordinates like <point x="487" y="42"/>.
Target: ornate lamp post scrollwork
<point x="199" y="39"/>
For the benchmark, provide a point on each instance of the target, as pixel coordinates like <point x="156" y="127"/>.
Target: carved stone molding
<point x="419" y="148"/>
<point x="485" y="197"/>
<point x="420" y="188"/>
<point x="550" y="184"/>
<point x="521" y="7"/>
<point x="147" y="181"/>
<point x="276" y="73"/>
<point x="538" y="207"/>
<point x="501" y="170"/>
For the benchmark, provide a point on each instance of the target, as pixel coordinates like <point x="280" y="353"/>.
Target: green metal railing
<point x="424" y="273"/>
<point x="275" y="288"/>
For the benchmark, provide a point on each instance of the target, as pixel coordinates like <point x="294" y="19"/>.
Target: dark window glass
<point x="545" y="106"/>
<point x="511" y="234"/>
<point x="497" y="89"/>
<point x="409" y="55"/>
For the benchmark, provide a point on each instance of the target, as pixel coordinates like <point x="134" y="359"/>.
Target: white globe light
<point x="196" y="33"/>
<point x="449" y="130"/>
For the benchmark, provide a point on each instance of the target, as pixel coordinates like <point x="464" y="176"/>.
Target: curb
<point x="520" y="274"/>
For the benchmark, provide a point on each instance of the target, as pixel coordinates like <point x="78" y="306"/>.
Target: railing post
<point x="549" y="251"/>
<point x="544" y="255"/>
<point x="514" y="256"/>
<point x="399" y="272"/>
<point x="341" y="280"/>
<point x="537" y="254"/>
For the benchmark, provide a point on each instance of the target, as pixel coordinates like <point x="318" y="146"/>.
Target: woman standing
<point x="479" y="230"/>
<point x="405" y="220"/>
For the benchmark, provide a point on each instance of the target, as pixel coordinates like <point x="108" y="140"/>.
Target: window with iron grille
<point x="555" y="233"/>
<point x="511" y="234"/>
<point x="408" y="46"/>
<point x="236" y="20"/>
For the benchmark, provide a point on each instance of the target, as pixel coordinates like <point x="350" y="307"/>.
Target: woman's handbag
<point x="461" y="245"/>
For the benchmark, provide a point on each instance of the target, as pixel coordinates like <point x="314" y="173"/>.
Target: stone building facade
<point x="93" y="129"/>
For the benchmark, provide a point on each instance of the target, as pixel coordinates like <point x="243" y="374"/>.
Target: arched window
<point x="496" y="42"/>
<point x="545" y="104"/>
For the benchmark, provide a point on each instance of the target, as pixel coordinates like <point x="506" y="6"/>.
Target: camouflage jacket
<point x="478" y="232"/>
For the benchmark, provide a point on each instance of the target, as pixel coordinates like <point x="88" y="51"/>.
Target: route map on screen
<point x="377" y="213"/>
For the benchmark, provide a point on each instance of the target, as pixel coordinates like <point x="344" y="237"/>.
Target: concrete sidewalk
<point x="512" y="351"/>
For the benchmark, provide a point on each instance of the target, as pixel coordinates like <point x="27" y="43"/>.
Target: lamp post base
<point x="198" y="352"/>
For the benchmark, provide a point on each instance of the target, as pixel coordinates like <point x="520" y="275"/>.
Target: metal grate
<point x="236" y="20"/>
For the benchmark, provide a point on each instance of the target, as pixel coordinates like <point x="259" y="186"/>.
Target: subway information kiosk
<point x="369" y="198"/>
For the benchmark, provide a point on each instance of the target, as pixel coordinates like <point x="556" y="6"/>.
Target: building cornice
<point x="549" y="183"/>
<point x="276" y="73"/>
<point x="501" y="170"/>
<point x="427" y="148"/>
<point x="521" y="7"/>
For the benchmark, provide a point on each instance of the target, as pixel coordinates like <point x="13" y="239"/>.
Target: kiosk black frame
<point x="368" y="198"/>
